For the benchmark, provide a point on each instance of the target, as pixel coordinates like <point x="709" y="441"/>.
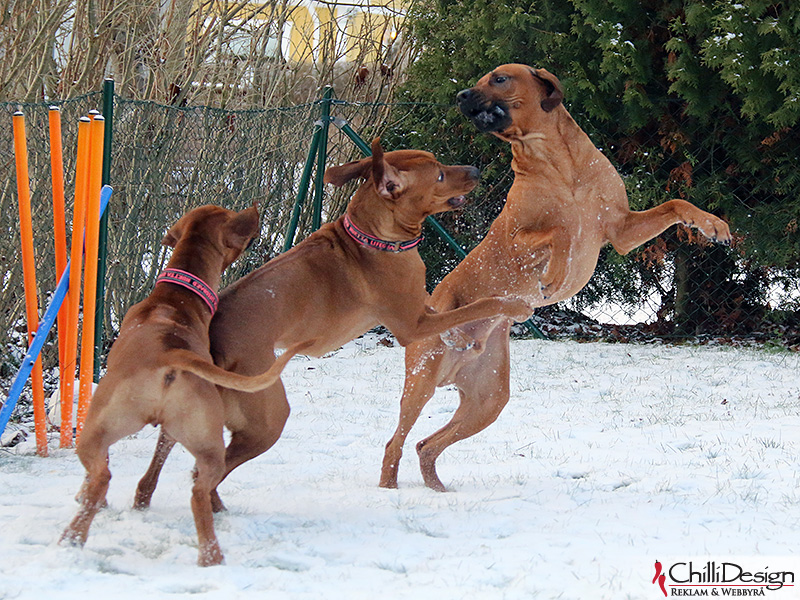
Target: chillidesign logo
<point x="711" y="578"/>
<point x="660" y="578"/>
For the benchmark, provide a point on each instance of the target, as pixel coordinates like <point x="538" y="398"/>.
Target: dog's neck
<point x="202" y="261"/>
<point x="372" y="215"/>
<point x="538" y="152"/>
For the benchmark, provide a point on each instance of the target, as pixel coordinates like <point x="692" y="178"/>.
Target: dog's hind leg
<point x="264" y="415"/>
<point x="483" y="387"/>
<point x="420" y="385"/>
<point x="104" y="426"/>
<point x="147" y="484"/>
<point x="209" y="470"/>
<point x="202" y="436"/>
<point x="149" y="481"/>
<point x="92" y="498"/>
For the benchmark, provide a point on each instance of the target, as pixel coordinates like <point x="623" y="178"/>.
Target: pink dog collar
<point x="372" y="242"/>
<point x="193" y="283"/>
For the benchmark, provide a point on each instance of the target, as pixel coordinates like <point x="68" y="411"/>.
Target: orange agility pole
<point x="76" y="254"/>
<point x="90" y="269"/>
<point x="59" y="226"/>
<point x="29" y="275"/>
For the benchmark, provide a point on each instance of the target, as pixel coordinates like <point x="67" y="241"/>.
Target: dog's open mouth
<point x="491" y="119"/>
<point x="456" y="201"/>
<point x="488" y="118"/>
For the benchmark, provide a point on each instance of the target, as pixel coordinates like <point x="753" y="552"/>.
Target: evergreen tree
<point x="688" y="98"/>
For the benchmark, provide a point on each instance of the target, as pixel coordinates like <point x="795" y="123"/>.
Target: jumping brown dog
<point x="160" y="370"/>
<point x="567" y="201"/>
<point x="349" y="276"/>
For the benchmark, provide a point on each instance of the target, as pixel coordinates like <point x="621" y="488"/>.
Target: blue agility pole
<point x="41" y="333"/>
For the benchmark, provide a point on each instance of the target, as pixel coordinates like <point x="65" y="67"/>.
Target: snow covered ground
<point x="607" y="458"/>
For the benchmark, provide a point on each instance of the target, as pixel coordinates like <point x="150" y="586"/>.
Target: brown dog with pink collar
<point x="160" y="370"/>
<point x="357" y="272"/>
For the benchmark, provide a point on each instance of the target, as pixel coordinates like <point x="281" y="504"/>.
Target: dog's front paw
<point x="517" y="308"/>
<point x="716" y="230"/>
<point x="456" y="339"/>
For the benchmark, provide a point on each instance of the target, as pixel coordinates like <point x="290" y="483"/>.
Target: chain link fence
<point x="168" y="159"/>
<point x="678" y="286"/>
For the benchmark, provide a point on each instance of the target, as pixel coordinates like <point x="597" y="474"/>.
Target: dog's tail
<point x="186" y="361"/>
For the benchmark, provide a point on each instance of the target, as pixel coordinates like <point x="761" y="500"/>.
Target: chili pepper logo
<point x="660" y="577"/>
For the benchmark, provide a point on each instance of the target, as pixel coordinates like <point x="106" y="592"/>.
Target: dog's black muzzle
<point x="485" y="115"/>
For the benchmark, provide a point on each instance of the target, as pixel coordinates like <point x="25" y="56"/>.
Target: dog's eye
<point x="500" y="79"/>
<point x="441" y="176"/>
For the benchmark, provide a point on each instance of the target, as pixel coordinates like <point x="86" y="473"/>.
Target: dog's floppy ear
<point x="555" y="93"/>
<point x="342" y="174"/>
<point x="242" y="228"/>
<point x="384" y="176"/>
<point x="173" y="234"/>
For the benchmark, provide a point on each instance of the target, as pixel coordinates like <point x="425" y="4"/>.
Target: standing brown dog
<point x="349" y="276"/>
<point x="160" y="370"/>
<point x="567" y="201"/>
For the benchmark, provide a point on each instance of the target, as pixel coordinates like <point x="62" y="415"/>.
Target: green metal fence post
<point x="102" y="258"/>
<point x="322" y="157"/>
<point x="345" y="128"/>
<point x="302" y="191"/>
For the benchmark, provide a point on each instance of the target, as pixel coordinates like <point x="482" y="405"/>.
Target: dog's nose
<point x="464" y="96"/>
<point x="474" y="173"/>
